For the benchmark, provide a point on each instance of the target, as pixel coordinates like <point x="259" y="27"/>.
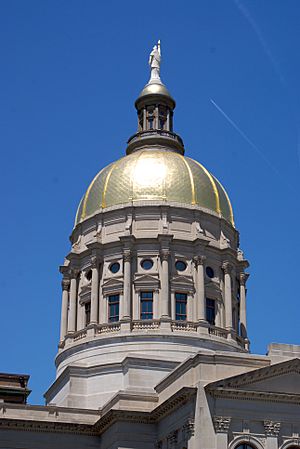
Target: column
<point x="95" y="290"/>
<point x="218" y="306"/>
<point x="173" y="306"/>
<point x="144" y="119"/>
<point x="189" y="308"/>
<point x="156" y="118"/>
<point x="64" y="308"/>
<point x="227" y="267"/>
<point x="73" y="301"/>
<point x="243" y="317"/>
<point x="155" y="305"/>
<point x="164" y="307"/>
<point x="125" y="308"/>
<point x="200" y="289"/>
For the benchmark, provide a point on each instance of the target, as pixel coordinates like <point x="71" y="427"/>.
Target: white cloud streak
<point x="250" y="142"/>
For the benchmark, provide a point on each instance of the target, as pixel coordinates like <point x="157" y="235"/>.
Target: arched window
<point x="244" y="446"/>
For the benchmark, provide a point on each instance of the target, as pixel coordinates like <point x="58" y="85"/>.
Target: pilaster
<point x="221" y="425"/>
<point x="272" y="429"/>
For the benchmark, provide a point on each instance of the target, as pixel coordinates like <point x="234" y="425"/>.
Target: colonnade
<point x="165" y="305"/>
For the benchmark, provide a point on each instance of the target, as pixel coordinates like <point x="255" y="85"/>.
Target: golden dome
<point x="155" y="175"/>
<point x="155" y="88"/>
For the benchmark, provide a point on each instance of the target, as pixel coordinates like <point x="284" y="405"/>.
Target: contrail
<point x="249" y="141"/>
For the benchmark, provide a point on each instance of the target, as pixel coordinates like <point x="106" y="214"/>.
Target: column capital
<point x="94" y="261"/>
<point x="221" y="423"/>
<point x="188" y="429"/>
<point x="127" y="254"/>
<point x="172" y="439"/>
<point x="65" y="283"/>
<point x="74" y="272"/>
<point x="199" y="260"/>
<point x="243" y="278"/>
<point x="227" y="267"/>
<point x="272" y="428"/>
<point x="164" y="254"/>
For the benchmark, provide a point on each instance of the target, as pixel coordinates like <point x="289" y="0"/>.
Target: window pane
<point x="146" y="305"/>
<point x="113" y="308"/>
<point x="210" y="311"/>
<point x="180" y="306"/>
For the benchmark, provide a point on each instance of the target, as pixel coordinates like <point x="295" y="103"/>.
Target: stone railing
<point x="145" y="324"/>
<point x="191" y="327"/>
<point x="218" y="331"/>
<point x="187" y="326"/>
<point x="79" y="334"/>
<point x="107" y="328"/>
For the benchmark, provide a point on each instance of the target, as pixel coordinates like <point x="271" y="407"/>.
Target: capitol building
<point x="154" y="351"/>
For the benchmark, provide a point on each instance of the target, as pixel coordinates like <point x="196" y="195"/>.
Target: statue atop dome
<point x="154" y="62"/>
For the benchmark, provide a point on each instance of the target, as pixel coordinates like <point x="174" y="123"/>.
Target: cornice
<point x="48" y="426"/>
<point x="179" y="398"/>
<point x="232" y="359"/>
<point x="104" y="422"/>
<point x="268" y="372"/>
<point x="251" y="395"/>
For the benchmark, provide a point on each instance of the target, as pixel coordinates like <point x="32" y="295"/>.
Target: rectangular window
<point x="181" y="301"/>
<point x="113" y="308"/>
<point x="210" y="311"/>
<point x="87" y="309"/>
<point x="146" y="305"/>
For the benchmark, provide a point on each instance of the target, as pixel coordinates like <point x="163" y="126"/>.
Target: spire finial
<point x="154" y="63"/>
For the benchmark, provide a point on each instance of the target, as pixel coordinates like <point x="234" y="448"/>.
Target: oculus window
<point x="180" y="265"/>
<point x="114" y="267"/>
<point x="210" y="272"/>
<point x="147" y="264"/>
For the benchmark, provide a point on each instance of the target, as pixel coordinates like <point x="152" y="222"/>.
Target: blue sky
<point x="70" y="72"/>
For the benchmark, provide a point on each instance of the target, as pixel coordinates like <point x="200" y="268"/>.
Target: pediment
<point x="112" y="286"/>
<point x="111" y="282"/>
<point x="182" y="282"/>
<point x="85" y="288"/>
<point x="146" y="281"/>
<point x="279" y="379"/>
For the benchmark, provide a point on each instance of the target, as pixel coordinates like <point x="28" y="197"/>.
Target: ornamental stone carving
<point x="188" y="429"/>
<point x="221" y="424"/>
<point x="65" y="284"/>
<point x="243" y="278"/>
<point x="272" y="428"/>
<point x="172" y="439"/>
<point x="74" y="272"/>
<point x="94" y="261"/>
<point x="227" y="267"/>
<point x="164" y="254"/>
<point x="127" y="255"/>
<point x="199" y="260"/>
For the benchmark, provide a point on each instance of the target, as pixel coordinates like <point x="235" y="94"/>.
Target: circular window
<point x="180" y="265"/>
<point x="114" y="267"/>
<point x="88" y="275"/>
<point x="147" y="264"/>
<point x="210" y="272"/>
